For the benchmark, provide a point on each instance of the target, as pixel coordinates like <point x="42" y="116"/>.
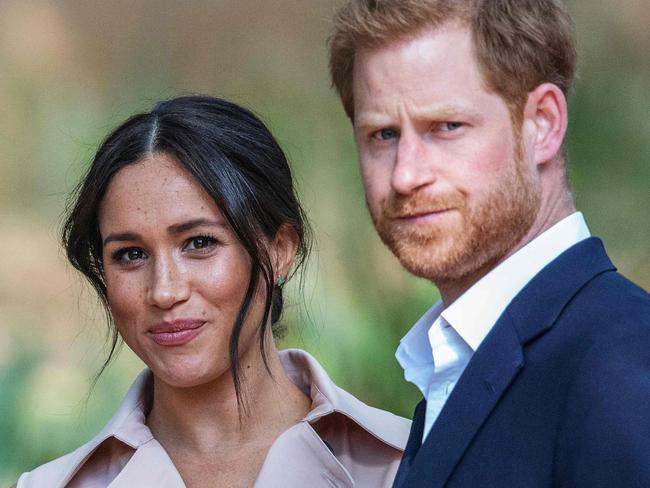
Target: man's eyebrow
<point x="372" y="119"/>
<point x="449" y="111"/>
<point x="192" y="224"/>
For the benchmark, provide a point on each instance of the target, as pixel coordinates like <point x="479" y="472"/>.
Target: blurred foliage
<point x="70" y="71"/>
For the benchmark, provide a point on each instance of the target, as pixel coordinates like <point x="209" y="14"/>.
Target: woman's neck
<point x="206" y="418"/>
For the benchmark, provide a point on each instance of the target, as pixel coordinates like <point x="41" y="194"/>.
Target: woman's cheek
<point x="125" y="300"/>
<point x="223" y="278"/>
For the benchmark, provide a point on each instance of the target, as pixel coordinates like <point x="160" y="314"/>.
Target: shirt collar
<point x="414" y="352"/>
<point x="328" y="398"/>
<point x="128" y="424"/>
<point x="474" y="313"/>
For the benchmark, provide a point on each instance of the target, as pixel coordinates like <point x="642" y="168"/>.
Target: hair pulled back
<point x="236" y="160"/>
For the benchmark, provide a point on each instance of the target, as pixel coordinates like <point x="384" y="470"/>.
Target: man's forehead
<point x="430" y="52"/>
<point x="431" y="71"/>
<point x="416" y="44"/>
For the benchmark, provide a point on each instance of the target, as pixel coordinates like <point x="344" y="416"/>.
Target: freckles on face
<point x="171" y="264"/>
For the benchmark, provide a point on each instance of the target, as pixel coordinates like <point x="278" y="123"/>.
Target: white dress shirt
<point x="438" y="347"/>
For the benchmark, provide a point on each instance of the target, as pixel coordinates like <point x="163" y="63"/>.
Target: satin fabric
<point x="340" y="443"/>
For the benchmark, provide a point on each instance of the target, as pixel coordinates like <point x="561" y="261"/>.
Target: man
<point x="535" y="365"/>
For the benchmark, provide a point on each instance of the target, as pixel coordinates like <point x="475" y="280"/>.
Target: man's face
<point x="448" y="183"/>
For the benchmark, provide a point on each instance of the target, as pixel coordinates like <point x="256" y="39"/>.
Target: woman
<point x="188" y="226"/>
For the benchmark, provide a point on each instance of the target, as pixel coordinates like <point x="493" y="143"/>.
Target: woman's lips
<point x="177" y="332"/>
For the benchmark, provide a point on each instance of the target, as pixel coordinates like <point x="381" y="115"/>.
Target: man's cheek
<point x="376" y="180"/>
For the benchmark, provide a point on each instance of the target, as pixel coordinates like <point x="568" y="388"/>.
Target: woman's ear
<point x="283" y="251"/>
<point x="545" y="122"/>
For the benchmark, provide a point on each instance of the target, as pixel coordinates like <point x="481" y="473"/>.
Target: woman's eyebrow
<point x="172" y="229"/>
<point x="191" y="224"/>
<point x="124" y="236"/>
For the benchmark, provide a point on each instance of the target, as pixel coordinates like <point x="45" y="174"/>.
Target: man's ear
<point x="283" y="250"/>
<point x="545" y="122"/>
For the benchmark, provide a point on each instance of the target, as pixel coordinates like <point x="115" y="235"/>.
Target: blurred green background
<point x="71" y="70"/>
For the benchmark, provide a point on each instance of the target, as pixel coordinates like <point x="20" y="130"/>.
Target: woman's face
<point x="175" y="272"/>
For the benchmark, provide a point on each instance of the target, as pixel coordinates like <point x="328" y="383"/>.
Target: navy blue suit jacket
<point x="558" y="393"/>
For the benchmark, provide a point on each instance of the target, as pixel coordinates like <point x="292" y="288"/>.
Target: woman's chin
<point x="186" y="375"/>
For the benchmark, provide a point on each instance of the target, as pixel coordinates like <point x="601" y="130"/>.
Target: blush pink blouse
<point x="341" y="443"/>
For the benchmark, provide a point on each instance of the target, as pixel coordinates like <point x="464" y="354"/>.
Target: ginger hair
<point x="518" y="44"/>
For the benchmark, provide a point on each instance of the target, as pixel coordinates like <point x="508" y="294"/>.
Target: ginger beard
<point x="482" y="233"/>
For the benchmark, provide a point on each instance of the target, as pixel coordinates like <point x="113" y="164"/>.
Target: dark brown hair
<point x="236" y="160"/>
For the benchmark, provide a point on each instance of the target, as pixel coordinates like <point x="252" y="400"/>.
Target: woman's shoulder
<point x="54" y="473"/>
<point x="328" y="398"/>
<point x="127" y="424"/>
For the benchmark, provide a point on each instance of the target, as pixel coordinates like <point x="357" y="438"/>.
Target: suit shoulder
<point x="610" y="303"/>
<point x="613" y="281"/>
<point x="604" y="332"/>
<point x="612" y="316"/>
<point x="602" y="439"/>
<point x="610" y="324"/>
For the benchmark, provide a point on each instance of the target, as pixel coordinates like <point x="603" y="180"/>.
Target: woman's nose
<point x="168" y="284"/>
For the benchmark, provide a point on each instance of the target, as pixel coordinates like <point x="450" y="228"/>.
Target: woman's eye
<point x="386" y="134"/>
<point x="200" y="243"/>
<point x="127" y="256"/>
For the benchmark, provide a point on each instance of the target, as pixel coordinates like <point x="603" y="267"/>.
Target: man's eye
<point x="451" y="126"/>
<point x="126" y="256"/>
<point x="386" y="134"/>
<point x="200" y="243"/>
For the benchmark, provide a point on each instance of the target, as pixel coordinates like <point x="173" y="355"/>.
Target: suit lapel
<point x="498" y="360"/>
<point x="412" y="445"/>
<point x="486" y="377"/>
<point x="536" y="308"/>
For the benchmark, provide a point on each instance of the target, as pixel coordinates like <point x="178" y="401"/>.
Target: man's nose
<point x="413" y="166"/>
<point x="168" y="283"/>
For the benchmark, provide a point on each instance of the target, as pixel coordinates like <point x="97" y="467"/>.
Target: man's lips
<point x="177" y="332"/>
<point x="420" y="214"/>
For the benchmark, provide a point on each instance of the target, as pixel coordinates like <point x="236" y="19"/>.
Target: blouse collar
<point x="128" y="425"/>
